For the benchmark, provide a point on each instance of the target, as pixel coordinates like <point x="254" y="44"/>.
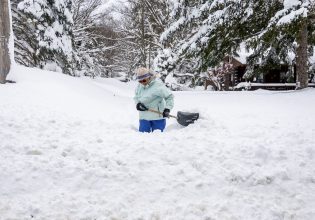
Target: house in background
<point x="272" y="76"/>
<point x="279" y="74"/>
<point x="231" y="74"/>
<point x="281" y="77"/>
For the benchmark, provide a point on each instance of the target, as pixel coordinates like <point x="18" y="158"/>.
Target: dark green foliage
<point x="43" y="39"/>
<point x="229" y="25"/>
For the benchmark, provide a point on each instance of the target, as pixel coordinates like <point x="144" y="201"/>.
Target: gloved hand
<point x="141" y="107"/>
<point x="166" y="113"/>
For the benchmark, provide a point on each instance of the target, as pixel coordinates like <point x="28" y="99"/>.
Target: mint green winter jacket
<point x="155" y="96"/>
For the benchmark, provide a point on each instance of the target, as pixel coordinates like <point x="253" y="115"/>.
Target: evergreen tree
<point x="288" y="31"/>
<point x="43" y="30"/>
<point x="200" y="33"/>
<point x="207" y="31"/>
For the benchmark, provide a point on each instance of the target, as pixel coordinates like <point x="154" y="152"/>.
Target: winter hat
<point x="144" y="73"/>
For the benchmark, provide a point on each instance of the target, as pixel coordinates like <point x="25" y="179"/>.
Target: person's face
<point x="145" y="81"/>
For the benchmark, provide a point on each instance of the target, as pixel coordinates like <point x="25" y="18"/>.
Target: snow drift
<point x="69" y="149"/>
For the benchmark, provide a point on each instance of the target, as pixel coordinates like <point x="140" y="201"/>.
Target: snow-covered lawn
<point x="70" y="150"/>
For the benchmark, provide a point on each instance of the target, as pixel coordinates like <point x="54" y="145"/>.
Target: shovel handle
<point x="158" y="112"/>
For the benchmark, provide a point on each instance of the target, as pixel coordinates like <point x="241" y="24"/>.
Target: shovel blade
<point x="186" y="118"/>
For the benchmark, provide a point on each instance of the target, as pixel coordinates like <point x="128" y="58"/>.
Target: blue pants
<point x="149" y="126"/>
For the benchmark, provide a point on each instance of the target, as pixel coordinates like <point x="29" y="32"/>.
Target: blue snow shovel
<point x="183" y="118"/>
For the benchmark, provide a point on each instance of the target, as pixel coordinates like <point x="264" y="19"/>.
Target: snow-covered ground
<point x="70" y="150"/>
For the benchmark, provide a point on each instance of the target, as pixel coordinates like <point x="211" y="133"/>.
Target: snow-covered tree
<point x="92" y="35"/>
<point x="43" y="30"/>
<point x="288" y="34"/>
<point x="144" y="21"/>
<point x="208" y="31"/>
<point x="200" y="31"/>
<point x="5" y="27"/>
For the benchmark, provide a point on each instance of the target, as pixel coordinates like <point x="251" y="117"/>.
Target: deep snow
<point x="69" y="149"/>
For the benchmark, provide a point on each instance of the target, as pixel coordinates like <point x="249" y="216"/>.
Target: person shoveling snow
<point x="154" y="102"/>
<point x="152" y="94"/>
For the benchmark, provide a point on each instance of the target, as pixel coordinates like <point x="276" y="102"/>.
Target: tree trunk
<point x="301" y="57"/>
<point x="4" y="40"/>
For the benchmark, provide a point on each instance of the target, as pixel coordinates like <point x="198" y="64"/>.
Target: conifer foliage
<point x="43" y="31"/>
<point x="207" y="31"/>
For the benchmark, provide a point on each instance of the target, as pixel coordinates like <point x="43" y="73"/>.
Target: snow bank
<point x="70" y="150"/>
